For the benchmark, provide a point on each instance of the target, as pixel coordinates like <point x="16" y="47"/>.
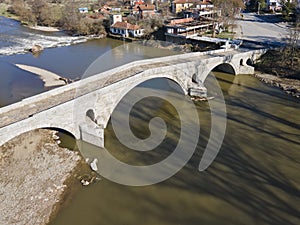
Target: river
<point x="255" y="178"/>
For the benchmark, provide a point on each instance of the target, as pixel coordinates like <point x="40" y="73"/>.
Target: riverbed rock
<point x="94" y="165"/>
<point x="36" y="49"/>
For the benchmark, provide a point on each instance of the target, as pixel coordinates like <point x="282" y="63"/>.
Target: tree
<point x="229" y="9"/>
<point x="256" y="5"/>
<point x="21" y="9"/>
<point x="288" y="8"/>
<point x="151" y="24"/>
<point x="291" y="51"/>
<point x="37" y="7"/>
<point x="51" y="15"/>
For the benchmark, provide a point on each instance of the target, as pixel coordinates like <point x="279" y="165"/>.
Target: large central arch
<point x="181" y="83"/>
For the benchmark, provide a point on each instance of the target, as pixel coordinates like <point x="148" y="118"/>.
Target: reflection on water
<point x="16" y="84"/>
<point x="254" y="180"/>
<point x="71" y="62"/>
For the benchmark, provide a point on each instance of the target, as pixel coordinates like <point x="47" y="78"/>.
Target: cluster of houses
<point x="195" y="16"/>
<point x="119" y="26"/>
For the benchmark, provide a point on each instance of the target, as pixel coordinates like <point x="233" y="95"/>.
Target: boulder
<point x="93" y="165"/>
<point x="36" y="49"/>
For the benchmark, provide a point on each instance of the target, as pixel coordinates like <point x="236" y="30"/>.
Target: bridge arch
<point x="24" y="129"/>
<point x="249" y="62"/>
<point x="181" y="83"/>
<point x="225" y="67"/>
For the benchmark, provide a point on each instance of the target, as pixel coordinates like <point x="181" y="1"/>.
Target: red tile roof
<point x="179" y="21"/>
<point x="125" y="25"/>
<point x="197" y="2"/>
<point x="145" y="7"/>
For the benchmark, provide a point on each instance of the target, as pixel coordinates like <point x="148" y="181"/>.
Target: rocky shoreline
<point x="36" y="176"/>
<point x="289" y="86"/>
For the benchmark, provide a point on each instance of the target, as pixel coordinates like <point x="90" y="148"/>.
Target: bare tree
<point x="228" y="8"/>
<point x="293" y="39"/>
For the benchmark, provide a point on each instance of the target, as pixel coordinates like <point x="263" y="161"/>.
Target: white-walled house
<point x="114" y="18"/>
<point x="83" y="10"/>
<point x="274" y="5"/>
<point x="125" y="29"/>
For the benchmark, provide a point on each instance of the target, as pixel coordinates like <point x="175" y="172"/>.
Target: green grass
<point x="225" y="35"/>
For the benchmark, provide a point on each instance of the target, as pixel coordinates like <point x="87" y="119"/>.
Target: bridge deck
<point x="24" y="109"/>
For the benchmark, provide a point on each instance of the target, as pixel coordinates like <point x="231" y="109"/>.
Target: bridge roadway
<point x="27" y="108"/>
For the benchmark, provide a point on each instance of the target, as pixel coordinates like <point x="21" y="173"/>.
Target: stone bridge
<point x="98" y="95"/>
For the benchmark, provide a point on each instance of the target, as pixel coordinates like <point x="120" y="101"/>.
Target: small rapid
<point x="18" y="39"/>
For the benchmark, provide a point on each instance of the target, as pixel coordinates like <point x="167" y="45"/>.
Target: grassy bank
<point x="277" y="68"/>
<point x="280" y="63"/>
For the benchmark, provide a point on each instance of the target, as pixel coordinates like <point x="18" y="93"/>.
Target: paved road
<point x="266" y="29"/>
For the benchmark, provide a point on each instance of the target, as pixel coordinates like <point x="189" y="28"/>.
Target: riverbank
<point x="17" y="38"/>
<point x="36" y="176"/>
<point x="288" y="85"/>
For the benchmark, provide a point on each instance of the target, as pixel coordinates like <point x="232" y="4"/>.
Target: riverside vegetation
<point x="66" y="16"/>
<point x="281" y="67"/>
<point x="62" y="14"/>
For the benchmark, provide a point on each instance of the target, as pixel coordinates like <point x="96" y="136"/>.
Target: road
<point x="266" y="29"/>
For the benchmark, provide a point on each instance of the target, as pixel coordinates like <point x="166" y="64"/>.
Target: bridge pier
<point x="92" y="134"/>
<point x="197" y="89"/>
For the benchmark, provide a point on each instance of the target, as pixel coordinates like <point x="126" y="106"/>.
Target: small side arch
<point x="225" y="67"/>
<point x="241" y="62"/>
<point x="249" y="62"/>
<point x="23" y="129"/>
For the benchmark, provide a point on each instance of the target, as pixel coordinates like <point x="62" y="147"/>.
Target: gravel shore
<point x="33" y="175"/>
<point x="289" y="86"/>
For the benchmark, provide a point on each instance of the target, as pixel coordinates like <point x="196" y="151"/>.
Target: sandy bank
<point x="289" y="86"/>
<point x="50" y="79"/>
<point x="33" y="171"/>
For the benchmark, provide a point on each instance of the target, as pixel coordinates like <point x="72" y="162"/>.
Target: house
<point x="125" y="29"/>
<point x="83" y="10"/>
<point x="205" y="5"/>
<point x="181" y="5"/>
<point x="143" y="10"/>
<point x="201" y="14"/>
<point x="274" y="5"/>
<point x="186" y="27"/>
<point x="114" y="18"/>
